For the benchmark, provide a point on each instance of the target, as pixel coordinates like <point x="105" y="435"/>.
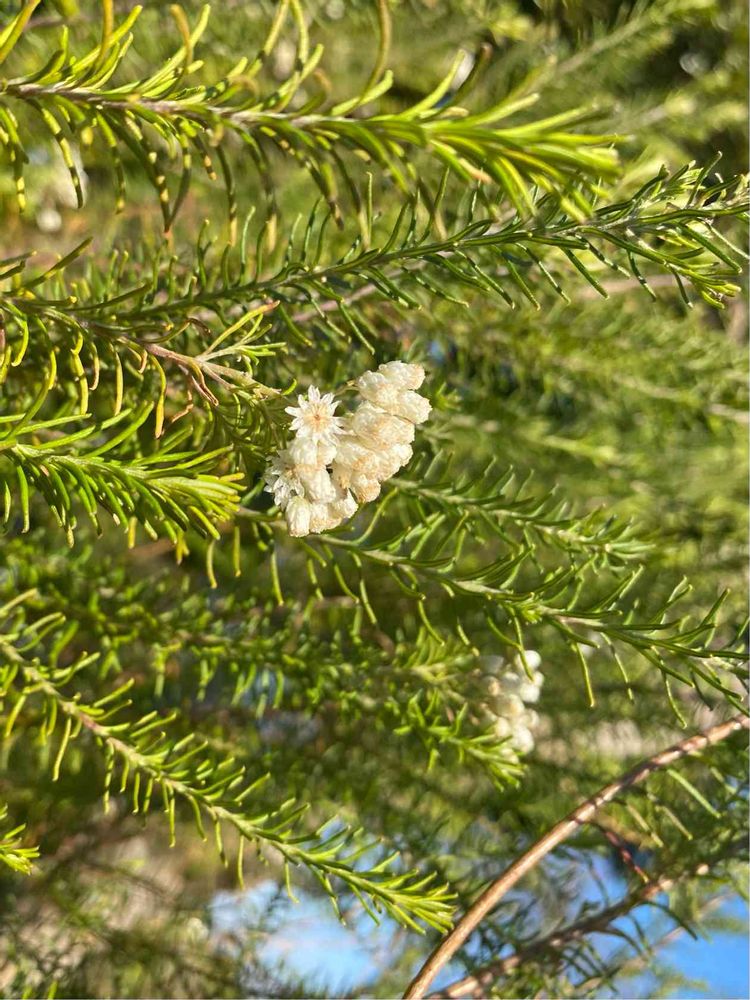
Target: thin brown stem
<point x="553" y="838"/>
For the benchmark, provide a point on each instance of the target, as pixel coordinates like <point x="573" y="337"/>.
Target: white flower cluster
<point x="333" y="463"/>
<point x="511" y="689"/>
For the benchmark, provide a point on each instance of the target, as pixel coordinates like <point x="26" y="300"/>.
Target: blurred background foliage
<point x="628" y="406"/>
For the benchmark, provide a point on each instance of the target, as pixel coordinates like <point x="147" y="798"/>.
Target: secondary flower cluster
<point x="511" y="689"/>
<point x="334" y="463"/>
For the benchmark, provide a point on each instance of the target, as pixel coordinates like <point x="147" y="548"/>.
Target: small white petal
<point x="402" y="374"/>
<point x="378" y="430"/>
<point x="317" y="482"/>
<point x="523" y="739"/>
<point x="298" y="514"/>
<point x="344" y="506"/>
<point x="364" y="489"/>
<point x="322" y="518"/>
<point x="413" y="407"/>
<point x="392" y="397"/>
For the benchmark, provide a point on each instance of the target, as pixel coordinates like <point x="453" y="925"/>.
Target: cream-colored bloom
<point x="355" y="456"/>
<point x="413" y="407"/>
<point x="377" y="429"/>
<point x="392" y="397"/>
<point x="523" y="739"/>
<point x="298" y="513"/>
<point x="344" y="506"/>
<point x="401" y="453"/>
<point x="282" y="480"/>
<point x="381" y="464"/>
<point x="364" y="488"/>
<point x="376" y="388"/>
<point x="533" y="659"/>
<point x="511" y="688"/>
<point x="508" y="705"/>
<point x="528" y="690"/>
<point x="503" y="729"/>
<point x="404" y="375"/>
<point x="322" y="518"/>
<point x="317" y="483"/>
<point x="332" y="463"/>
<point x="313" y="417"/>
<point x="303" y="451"/>
<point x="391" y="394"/>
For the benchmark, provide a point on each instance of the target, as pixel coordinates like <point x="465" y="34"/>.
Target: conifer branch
<point x="165" y="489"/>
<point x="149" y="760"/>
<point x="13" y="853"/>
<point x="426" y="559"/>
<point x="71" y="93"/>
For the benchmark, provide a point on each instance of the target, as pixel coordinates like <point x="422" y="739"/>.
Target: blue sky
<point x="721" y="961"/>
<point x="310" y="942"/>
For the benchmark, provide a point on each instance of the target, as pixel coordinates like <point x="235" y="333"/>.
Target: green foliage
<point x="174" y="667"/>
<point x="12" y="852"/>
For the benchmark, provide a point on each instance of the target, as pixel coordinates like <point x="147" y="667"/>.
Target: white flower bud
<point x="404" y="375"/>
<point x="343" y="475"/>
<point x="298" y="513"/>
<point x="364" y="489"/>
<point x="282" y="480"/>
<point x="412" y="407"/>
<point x="344" y="506"/>
<point x="352" y="453"/>
<point x="533" y="659"/>
<point x="401" y="453"/>
<point x="523" y="739"/>
<point x="380" y="464"/>
<point x="317" y="482"/>
<point x="378" y="430"/>
<point x="392" y="459"/>
<point x="393" y="398"/>
<point x="304" y="451"/>
<point x="507" y="705"/>
<point x="322" y="518"/>
<point x="503" y="729"/>
<point x="377" y="389"/>
<point x="518" y="683"/>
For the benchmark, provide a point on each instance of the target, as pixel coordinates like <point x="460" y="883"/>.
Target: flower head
<point x="313" y="417"/>
<point x="282" y="479"/>
<point x="333" y="464"/>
